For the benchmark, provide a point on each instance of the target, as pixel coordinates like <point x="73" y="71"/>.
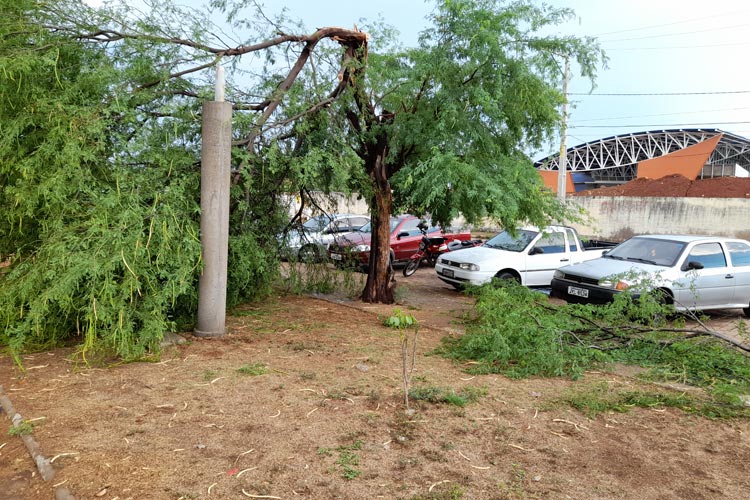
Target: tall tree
<point x="99" y="163"/>
<point x="442" y="128"/>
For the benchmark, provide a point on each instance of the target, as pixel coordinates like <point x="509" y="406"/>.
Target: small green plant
<point x="23" y="428"/>
<point x="209" y="375"/>
<point x="253" y="369"/>
<point x="433" y="394"/>
<point x="347" y="459"/>
<point x="402" y="323"/>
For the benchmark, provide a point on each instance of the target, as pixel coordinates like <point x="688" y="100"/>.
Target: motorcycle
<point x="430" y="248"/>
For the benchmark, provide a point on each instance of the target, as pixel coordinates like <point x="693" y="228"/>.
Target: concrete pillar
<point x="215" y="180"/>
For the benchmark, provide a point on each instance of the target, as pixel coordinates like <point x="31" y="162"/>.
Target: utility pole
<point x="215" y="182"/>
<point x="562" y="171"/>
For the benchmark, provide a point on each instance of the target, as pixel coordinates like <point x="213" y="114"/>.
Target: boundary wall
<point x="620" y="217"/>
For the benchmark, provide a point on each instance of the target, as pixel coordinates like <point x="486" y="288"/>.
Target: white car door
<point x="713" y="285"/>
<point x="548" y="254"/>
<point x="739" y="254"/>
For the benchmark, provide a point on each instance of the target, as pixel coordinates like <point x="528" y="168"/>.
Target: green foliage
<point x="593" y="400"/>
<point x="347" y="460"/>
<point x="24" y="428"/>
<point x="520" y="334"/>
<point x="253" y="369"/>
<point x="400" y="320"/>
<point x="99" y="188"/>
<point x="433" y="394"/>
<point x="515" y="337"/>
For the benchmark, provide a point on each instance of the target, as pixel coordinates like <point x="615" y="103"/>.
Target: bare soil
<point x="677" y="186"/>
<point x="327" y="420"/>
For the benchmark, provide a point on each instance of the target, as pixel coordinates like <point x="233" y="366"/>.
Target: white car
<point x="310" y="241"/>
<point x="693" y="272"/>
<point x="529" y="257"/>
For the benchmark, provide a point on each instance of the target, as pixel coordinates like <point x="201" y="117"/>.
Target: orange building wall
<point x="687" y="162"/>
<point x="550" y="180"/>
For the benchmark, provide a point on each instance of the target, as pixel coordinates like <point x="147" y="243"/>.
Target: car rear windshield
<point x="506" y="241"/>
<point x="653" y="251"/>
<point x="367" y="228"/>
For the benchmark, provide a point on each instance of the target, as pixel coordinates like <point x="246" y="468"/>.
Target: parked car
<point x="530" y="257"/>
<point x="693" y="272"/>
<point x="354" y="249"/>
<point x="310" y="241"/>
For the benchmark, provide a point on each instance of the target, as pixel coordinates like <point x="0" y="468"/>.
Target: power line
<point x="662" y="125"/>
<point x="678" y="47"/>
<point x="684" y="21"/>
<point x="660" y="114"/>
<point x="642" y="94"/>
<point x="662" y="35"/>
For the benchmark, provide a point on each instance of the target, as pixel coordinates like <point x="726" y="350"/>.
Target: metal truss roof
<point x="615" y="159"/>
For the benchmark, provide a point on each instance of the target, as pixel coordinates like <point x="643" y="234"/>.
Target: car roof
<point x="685" y="238"/>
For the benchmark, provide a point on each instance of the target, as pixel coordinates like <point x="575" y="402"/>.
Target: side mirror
<point x="536" y="251"/>
<point x="693" y="264"/>
<point x="402" y="234"/>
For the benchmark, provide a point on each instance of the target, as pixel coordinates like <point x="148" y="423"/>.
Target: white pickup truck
<point x="530" y="257"/>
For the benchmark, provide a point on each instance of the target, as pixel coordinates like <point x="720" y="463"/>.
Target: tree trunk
<point x="380" y="284"/>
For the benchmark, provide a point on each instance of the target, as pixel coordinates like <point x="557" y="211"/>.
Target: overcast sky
<point x="656" y="49"/>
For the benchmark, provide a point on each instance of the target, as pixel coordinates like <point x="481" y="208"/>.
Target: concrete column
<point x="215" y="180"/>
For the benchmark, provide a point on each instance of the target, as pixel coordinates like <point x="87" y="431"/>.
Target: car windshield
<point x="316" y="224"/>
<point x="367" y="228"/>
<point x="648" y="251"/>
<point x="506" y="241"/>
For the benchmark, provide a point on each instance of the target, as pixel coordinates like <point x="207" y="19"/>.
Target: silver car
<point x="310" y="241"/>
<point x="694" y="272"/>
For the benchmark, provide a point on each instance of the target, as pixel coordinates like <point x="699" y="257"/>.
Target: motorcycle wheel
<point x="411" y="267"/>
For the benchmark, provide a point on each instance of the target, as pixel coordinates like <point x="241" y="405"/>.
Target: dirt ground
<point x="678" y="186"/>
<point x="326" y="420"/>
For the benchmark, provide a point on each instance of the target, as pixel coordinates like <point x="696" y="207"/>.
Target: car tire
<point x="505" y="276"/>
<point x="747" y="311"/>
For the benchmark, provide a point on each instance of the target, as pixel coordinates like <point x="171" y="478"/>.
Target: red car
<point x="354" y="248"/>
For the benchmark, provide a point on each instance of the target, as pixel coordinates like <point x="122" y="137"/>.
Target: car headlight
<point x="558" y="274"/>
<point x="362" y="248"/>
<point x="469" y="267"/>
<point x="615" y="284"/>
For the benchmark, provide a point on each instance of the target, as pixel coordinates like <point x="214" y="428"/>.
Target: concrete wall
<point x="619" y="217"/>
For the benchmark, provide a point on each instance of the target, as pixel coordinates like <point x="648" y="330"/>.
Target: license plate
<point x="337" y="256"/>
<point x="448" y="273"/>
<point x="578" y="292"/>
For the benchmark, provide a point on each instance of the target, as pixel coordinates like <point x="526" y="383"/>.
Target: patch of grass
<point x="22" y="429"/>
<point x="595" y="399"/>
<point x="209" y="375"/>
<point x="450" y="491"/>
<point x="433" y="394"/>
<point x="253" y="369"/>
<point x="347" y="459"/>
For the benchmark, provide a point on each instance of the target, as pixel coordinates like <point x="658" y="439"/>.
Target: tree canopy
<point x="99" y="151"/>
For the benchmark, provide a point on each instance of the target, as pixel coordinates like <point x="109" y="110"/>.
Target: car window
<point x="739" y="253"/>
<point x="552" y="242"/>
<point x="339" y="226"/>
<point x="654" y="251"/>
<point x="316" y="224"/>
<point x="358" y="222"/>
<point x="410" y="226"/>
<point x="506" y="241"/>
<point x="572" y="240"/>
<point x="708" y="254"/>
